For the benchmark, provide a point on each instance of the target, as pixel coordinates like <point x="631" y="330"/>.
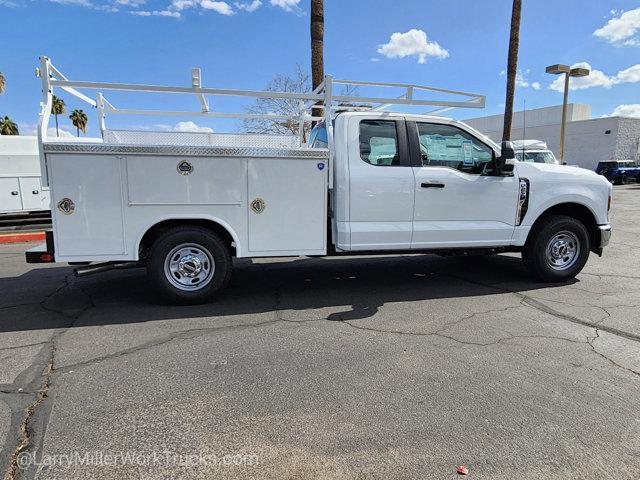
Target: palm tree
<point x="79" y="120"/>
<point x="57" y="108"/>
<point x="3" y="83"/>
<point x="8" y="127"/>
<point x="512" y="68"/>
<point x="317" y="47"/>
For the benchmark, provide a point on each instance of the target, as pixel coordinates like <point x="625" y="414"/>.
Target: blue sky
<point x="457" y="44"/>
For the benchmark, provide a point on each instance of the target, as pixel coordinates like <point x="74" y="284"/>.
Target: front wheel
<point x="557" y="250"/>
<point x="188" y="265"/>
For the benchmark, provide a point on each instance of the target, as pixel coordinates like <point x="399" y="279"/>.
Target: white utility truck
<point x="367" y="181"/>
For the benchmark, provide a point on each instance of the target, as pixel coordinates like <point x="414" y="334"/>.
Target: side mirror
<point x="507" y="159"/>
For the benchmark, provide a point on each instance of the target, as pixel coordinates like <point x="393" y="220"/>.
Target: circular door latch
<point x="185" y="168"/>
<point x="258" y="205"/>
<point x="66" y="206"/>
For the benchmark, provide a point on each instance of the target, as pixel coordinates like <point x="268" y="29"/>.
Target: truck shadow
<point x="338" y="288"/>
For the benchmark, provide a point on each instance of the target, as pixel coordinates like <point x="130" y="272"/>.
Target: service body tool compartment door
<point x="10" y="200"/>
<point x="287" y="201"/>
<point x="33" y="197"/>
<point x="87" y="204"/>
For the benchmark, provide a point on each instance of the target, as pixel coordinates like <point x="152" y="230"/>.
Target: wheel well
<point x="159" y="228"/>
<point x="577" y="211"/>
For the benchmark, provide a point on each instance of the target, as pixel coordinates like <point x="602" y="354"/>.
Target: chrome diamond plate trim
<point x="199" y="139"/>
<point x="183" y="150"/>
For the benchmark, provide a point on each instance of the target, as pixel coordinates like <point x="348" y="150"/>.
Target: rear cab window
<point x="379" y="143"/>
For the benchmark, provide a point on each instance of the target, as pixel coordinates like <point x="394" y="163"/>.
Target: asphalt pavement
<point x="352" y="367"/>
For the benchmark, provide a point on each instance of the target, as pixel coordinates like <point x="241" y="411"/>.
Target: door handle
<point x="432" y="185"/>
<point x="15" y="192"/>
<point x="36" y="192"/>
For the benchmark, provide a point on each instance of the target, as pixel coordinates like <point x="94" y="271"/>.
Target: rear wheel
<point x="622" y="179"/>
<point x="189" y="265"/>
<point x="557" y="249"/>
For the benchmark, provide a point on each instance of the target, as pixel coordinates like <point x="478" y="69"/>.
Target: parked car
<point x="619" y="172"/>
<point x="534" y="151"/>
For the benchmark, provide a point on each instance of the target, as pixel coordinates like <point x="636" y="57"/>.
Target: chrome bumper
<point x="605" y="235"/>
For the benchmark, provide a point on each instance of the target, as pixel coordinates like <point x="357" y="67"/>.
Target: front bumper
<point x="605" y="236"/>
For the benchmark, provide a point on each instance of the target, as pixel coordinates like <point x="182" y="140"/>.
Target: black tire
<point x="622" y="179"/>
<point x="563" y="231"/>
<point x="204" y="260"/>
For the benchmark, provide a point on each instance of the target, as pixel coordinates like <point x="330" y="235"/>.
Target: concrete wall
<point x="586" y="142"/>
<point x="534" y="117"/>
<point x="628" y="144"/>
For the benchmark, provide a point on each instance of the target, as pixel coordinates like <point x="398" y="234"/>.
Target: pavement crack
<point x="538" y="305"/>
<point x="25" y="431"/>
<point x="180" y="335"/>
<point x="591" y="340"/>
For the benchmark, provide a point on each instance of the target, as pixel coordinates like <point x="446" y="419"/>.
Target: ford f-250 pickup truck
<point x="366" y="182"/>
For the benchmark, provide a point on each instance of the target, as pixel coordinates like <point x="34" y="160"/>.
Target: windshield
<point x="544" y="156"/>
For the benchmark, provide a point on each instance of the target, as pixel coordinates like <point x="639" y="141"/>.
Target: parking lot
<point x="377" y="367"/>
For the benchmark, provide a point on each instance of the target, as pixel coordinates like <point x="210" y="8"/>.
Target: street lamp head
<point x="579" y="72"/>
<point x="558" y="69"/>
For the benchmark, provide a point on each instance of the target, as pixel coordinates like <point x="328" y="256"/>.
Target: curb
<point x="21" y="237"/>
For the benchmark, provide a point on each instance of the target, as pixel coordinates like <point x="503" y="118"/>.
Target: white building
<point x="587" y="142"/>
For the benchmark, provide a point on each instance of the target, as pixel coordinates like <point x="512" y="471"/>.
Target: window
<point x="318" y="137"/>
<point x="379" y="142"/>
<point x="449" y="146"/>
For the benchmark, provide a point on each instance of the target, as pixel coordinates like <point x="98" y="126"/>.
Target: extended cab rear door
<point x="458" y="202"/>
<point x="381" y="184"/>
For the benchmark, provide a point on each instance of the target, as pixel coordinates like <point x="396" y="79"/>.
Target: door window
<point x="379" y="142"/>
<point x="449" y="146"/>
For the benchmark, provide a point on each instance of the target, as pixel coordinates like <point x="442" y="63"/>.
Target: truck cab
<point x="407" y="182"/>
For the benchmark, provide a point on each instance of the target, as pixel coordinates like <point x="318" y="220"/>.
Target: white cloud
<point x="223" y="8"/>
<point x="621" y="30"/>
<point x="80" y="3"/>
<point x="627" y="110"/>
<point x="629" y="75"/>
<point x="597" y="78"/>
<point x="156" y="13"/>
<point x="287" y="5"/>
<point x="522" y="81"/>
<point x="413" y="42"/>
<point x="131" y="3"/>
<point x="32" y="129"/>
<point x="249" y="7"/>
<point x="191" y="127"/>
<point x="374" y="59"/>
<point x="178" y="5"/>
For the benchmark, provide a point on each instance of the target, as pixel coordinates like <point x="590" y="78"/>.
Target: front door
<point x="381" y="185"/>
<point x="458" y="202"/>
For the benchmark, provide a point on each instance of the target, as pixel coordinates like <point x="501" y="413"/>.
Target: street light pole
<point x="563" y="125"/>
<point x="568" y="73"/>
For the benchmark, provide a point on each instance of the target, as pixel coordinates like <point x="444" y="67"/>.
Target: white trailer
<point x="20" y="188"/>
<point x="368" y="181"/>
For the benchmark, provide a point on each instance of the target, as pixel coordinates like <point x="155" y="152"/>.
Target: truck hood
<point x="560" y="172"/>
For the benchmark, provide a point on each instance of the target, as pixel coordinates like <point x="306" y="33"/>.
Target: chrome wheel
<point x="563" y="250"/>
<point x="189" y="266"/>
